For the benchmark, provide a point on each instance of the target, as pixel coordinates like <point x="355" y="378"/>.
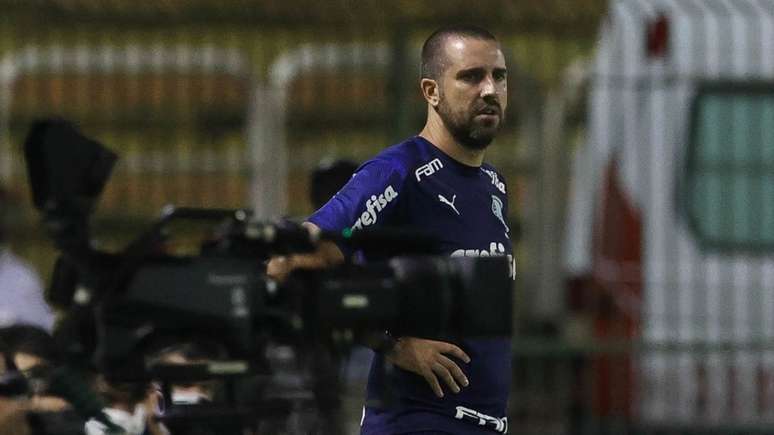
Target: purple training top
<point x="414" y="184"/>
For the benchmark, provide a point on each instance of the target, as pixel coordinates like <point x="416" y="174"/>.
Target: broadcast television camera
<point x="119" y="304"/>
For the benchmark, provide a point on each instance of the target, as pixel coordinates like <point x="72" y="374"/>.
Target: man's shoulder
<point x="401" y="157"/>
<point x="488" y="167"/>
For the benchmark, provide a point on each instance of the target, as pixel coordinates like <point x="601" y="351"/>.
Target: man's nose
<point x="488" y="86"/>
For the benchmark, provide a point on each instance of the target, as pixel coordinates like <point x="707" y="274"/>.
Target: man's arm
<point x="327" y="255"/>
<point x="427" y="358"/>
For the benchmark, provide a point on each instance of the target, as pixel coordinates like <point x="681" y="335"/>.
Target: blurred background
<point x="638" y="150"/>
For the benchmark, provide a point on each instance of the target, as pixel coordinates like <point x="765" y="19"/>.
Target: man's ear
<point x="430" y="91"/>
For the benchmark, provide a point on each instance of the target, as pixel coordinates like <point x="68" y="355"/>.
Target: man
<point x="435" y="182"/>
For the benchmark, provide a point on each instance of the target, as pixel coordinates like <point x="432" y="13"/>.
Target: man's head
<point x="464" y="80"/>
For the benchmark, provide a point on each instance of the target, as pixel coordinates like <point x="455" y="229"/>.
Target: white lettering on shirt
<point x="428" y="169"/>
<point x="374" y="206"/>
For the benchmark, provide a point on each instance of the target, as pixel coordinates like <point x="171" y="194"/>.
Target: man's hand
<point x="327" y="255"/>
<point x="279" y="267"/>
<point x="426" y="358"/>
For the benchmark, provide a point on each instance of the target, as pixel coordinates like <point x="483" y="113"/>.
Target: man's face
<point x="473" y="91"/>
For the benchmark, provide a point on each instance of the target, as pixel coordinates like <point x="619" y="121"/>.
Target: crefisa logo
<point x="374" y="206"/>
<point x="496" y="249"/>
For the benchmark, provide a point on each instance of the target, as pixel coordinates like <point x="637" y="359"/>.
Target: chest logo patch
<point x="497" y="209"/>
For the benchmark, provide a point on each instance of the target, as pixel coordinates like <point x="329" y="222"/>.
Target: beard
<point x="469" y="132"/>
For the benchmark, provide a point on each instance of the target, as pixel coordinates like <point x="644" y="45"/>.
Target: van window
<point x="730" y="163"/>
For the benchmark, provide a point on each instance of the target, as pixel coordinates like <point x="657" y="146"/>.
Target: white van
<point x="671" y="216"/>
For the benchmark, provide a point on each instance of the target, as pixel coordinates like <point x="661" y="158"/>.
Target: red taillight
<point x="658" y="37"/>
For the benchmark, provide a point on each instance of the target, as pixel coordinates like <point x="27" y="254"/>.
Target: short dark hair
<point x="433" y="55"/>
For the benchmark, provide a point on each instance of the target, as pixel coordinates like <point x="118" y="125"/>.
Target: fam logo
<point x="428" y="169"/>
<point x="495" y="180"/>
<point x="374" y="206"/>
